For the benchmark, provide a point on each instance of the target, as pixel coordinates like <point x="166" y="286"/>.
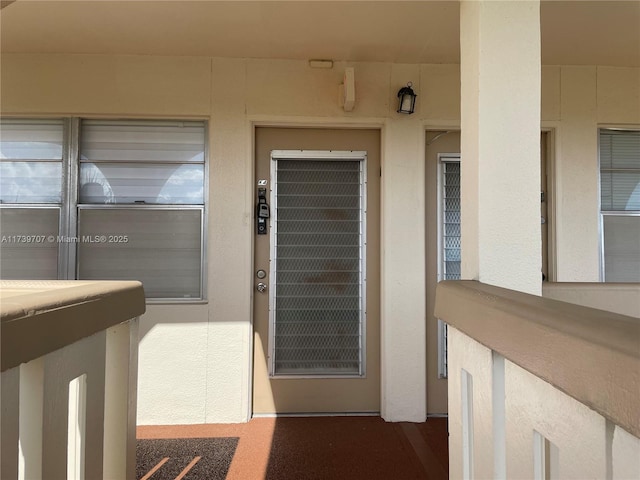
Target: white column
<point x="403" y="372"/>
<point x="229" y="331"/>
<point x="500" y="113"/>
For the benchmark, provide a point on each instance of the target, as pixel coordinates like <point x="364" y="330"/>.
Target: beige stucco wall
<point x="195" y="359"/>
<point x="589" y="97"/>
<point x="622" y="298"/>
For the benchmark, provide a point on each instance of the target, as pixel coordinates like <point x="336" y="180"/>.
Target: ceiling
<point x="573" y="32"/>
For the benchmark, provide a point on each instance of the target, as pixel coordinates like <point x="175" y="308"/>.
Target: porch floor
<point x="296" y="448"/>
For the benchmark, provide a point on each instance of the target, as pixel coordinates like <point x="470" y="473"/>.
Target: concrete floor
<point x="296" y="448"/>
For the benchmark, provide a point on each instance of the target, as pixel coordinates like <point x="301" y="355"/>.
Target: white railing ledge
<point x="39" y="317"/>
<point x="591" y="355"/>
<point x="69" y="379"/>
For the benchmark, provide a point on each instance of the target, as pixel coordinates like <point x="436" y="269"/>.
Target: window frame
<point x="62" y="206"/>
<point x="69" y="206"/>
<point x="603" y="213"/>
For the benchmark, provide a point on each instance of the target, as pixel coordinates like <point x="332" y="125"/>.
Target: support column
<point x="403" y="374"/>
<point x="500" y="113"/>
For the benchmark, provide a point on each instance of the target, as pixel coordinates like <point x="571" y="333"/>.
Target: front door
<point x="316" y="271"/>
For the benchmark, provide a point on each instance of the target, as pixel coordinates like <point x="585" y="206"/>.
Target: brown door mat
<point x="188" y="458"/>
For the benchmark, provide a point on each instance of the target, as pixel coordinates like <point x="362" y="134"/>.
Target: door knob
<point x="262" y="287"/>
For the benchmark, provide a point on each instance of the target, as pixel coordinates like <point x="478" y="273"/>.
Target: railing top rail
<point x="39" y="317"/>
<point x="591" y="355"/>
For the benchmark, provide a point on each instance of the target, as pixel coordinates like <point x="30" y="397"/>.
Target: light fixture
<point x="406" y="99"/>
<point x="347" y="90"/>
<point x="320" y="63"/>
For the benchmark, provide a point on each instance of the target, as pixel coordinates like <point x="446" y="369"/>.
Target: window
<point x="448" y="237"/>
<point x="620" y="205"/>
<point x="105" y="200"/>
<point x="31" y="174"/>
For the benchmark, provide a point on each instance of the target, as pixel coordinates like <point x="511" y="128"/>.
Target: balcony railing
<point x="69" y="371"/>
<point x="539" y="388"/>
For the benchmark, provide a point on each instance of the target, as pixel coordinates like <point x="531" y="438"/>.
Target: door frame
<point x="550" y="131"/>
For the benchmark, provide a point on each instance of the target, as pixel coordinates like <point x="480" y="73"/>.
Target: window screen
<point x="29" y="248"/>
<point x="620" y="204"/>
<point x="161" y="248"/>
<point x="622" y="248"/>
<point x="319" y="252"/>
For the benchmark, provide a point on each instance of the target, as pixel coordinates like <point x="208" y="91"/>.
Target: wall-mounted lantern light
<point x="406" y="99"/>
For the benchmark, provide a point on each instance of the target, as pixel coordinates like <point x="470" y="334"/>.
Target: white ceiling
<point x="573" y="32"/>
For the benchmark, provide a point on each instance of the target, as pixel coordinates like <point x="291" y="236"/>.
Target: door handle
<point x="262" y="287"/>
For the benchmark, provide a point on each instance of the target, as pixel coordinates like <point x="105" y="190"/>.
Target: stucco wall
<point x="622" y="298"/>
<point x="195" y="359"/>
<point x="589" y="97"/>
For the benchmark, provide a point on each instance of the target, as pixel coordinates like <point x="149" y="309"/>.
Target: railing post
<point x="22" y="395"/>
<point x="9" y="427"/>
<point x="120" y="394"/>
<point x="30" y="419"/>
<point x="61" y="367"/>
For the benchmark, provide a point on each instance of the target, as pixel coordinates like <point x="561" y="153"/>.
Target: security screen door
<point x="316" y="271"/>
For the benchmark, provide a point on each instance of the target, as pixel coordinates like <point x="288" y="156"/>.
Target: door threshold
<point x="437" y="415"/>
<point x="316" y="414"/>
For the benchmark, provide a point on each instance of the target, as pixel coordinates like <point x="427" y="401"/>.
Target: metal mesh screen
<point x="451" y="220"/>
<point x="318" y="267"/>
